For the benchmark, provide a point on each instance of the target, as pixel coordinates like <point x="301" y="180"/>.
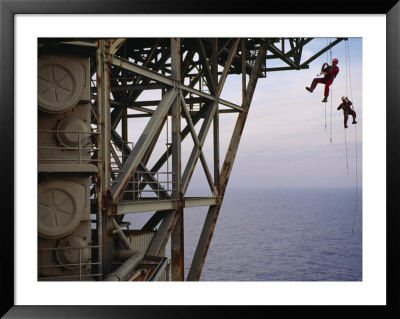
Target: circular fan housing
<point x="59" y="212"/>
<point x="60" y="82"/>
<point x="67" y="132"/>
<point x="72" y="251"/>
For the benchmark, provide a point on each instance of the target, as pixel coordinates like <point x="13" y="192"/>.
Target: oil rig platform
<point x="92" y="173"/>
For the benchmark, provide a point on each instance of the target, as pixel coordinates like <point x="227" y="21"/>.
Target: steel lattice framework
<point x="189" y="74"/>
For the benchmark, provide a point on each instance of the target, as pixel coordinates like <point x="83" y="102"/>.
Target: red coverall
<point x="345" y="106"/>
<point x="330" y="74"/>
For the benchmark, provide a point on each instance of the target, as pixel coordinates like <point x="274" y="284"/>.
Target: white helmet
<point x="344" y="98"/>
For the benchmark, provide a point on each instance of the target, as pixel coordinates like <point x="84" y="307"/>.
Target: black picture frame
<point x="8" y="10"/>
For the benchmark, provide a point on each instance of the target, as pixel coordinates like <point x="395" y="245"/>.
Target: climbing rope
<point x="355" y="139"/>
<point x="331" y="111"/>
<point x="328" y="60"/>
<point x="347" y="161"/>
<point x="345" y="139"/>
<point x="348" y="72"/>
<point x="355" y="209"/>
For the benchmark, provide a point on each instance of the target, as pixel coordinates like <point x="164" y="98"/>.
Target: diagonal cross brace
<point x="198" y="144"/>
<point x="142" y="144"/>
<point x="212" y="215"/>
<point x="199" y="141"/>
<point x="206" y="67"/>
<point x="196" y="151"/>
<point x="147" y="176"/>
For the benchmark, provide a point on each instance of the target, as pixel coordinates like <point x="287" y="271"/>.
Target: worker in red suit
<point x="329" y="73"/>
<point x="346" y="107"/>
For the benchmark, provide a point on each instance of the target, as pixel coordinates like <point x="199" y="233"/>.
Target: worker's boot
<point x="345" y="126"/>
<point x="325" y="99"/>
<point x="354" y="122"/>
<point x="309" y="89"/>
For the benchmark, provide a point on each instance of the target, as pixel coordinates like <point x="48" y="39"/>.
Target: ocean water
<point x="287" y="234"/>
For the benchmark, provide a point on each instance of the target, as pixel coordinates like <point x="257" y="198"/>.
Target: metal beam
<point x="322" y="51"/>
<point x="177" y="248"/>
<point x="190" y="166"/>
<point x="122" y="63"/>
<point x="145" y="173"/>
<point x="227" y="66"/>
<point x="138" y="87"/>
<point x="281" y="55"/>
<point x="285" y="68"/>
<point x="121" y="235"/>
<point x="160" y="239"/>
<point x="151" y="205"/>
<point x="177" y="245"/>
<point x="212" y="215"/>
<point x="104" y="223"/>
<point x="194" y="157"/>
<point x="133" y="95"/>
<point x="301" y="44"/>
<point x="116" y="44"/>
<point x="211" y="83"/>
<point x="161" y="161"/>
<point x="238" y="58"/>
<point x="197" y="143"/>
<point x="153" y="221"/>
<point x="143" y="142"/>
<point x="218" y="89"/>
<point x="157" y="217"/>
<point x="138" y="105"/>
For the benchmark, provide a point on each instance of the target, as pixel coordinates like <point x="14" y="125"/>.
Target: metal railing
<point x="120" y="156"/>
<point x="83" y="153"/>
<point x="140" y="188"/>
<point x="81" y="270"/>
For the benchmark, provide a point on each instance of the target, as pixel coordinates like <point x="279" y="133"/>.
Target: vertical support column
<point x="243" y="70"/>
<point x="212" y="215"/>
<point x="104" y="168"/>
<point x="177" y="236"/>
<point x="214" y="74"/>
<point x="124" y="133"/>
<point x="124" y="119"/>
<point x="177" y="248"/>
<point x="124" y="153"/>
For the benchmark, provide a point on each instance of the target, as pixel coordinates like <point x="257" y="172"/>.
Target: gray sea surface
<point x="280" y="234"/>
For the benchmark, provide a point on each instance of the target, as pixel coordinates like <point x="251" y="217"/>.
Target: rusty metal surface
<point x="103" y="177"/>
<point x="177" y="249"/>
<point x="212" y="215"/>
<point x="144" y="141"/>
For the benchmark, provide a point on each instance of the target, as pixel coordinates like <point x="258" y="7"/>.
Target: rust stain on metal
<point x="125" y="185"/>
<point x="168" y="234"/>
<point x="177" y="248"/>
<point x="108" y="198"/>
